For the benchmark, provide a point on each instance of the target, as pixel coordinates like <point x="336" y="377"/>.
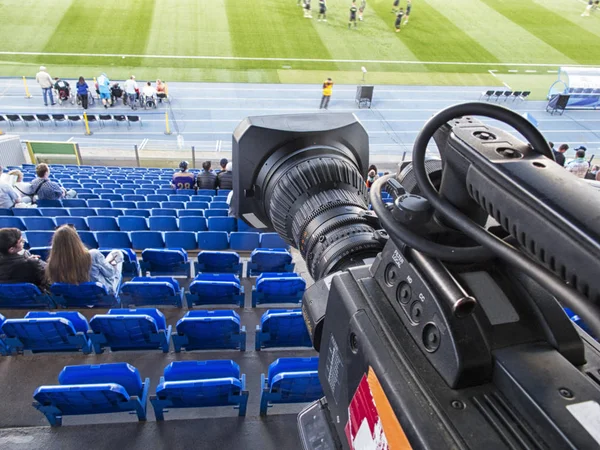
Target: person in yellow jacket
<point x="327" y="88"/>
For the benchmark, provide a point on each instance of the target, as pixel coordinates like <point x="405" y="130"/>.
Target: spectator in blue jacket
<point x="46" y="189"/>
<point x="104" y="90"/>
<point x="82" y="92"/>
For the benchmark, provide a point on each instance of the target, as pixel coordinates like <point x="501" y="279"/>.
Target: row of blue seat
<point x="88" y="168"/>
<point x="146" y="329"/>
<point x="118" y="387"/>
<point x="116" y="212"/>
<point x="216" y="283"/>
<point x="132" y="198"/>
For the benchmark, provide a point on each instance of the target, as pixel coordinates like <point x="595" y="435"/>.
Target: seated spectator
<point x="206" y="178"/>
<point x="559" y="156"/>
<point x="116" y="93"/>
<point x="183" y="179"/>
<point x="46" y="189"/>
<point x="22" y="189"/>
<point x="149" y="91"/>
<point x="17" y="265"/>
<point x="8" y="197"/>
<point x="223" y="164"/>
<point x="579" y="166"/>
<point x="225" y="178"/>
<point x="161" y="90"/>
<point x="71" y="262"/>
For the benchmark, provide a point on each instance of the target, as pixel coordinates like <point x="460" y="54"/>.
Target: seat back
<point x="270" y="260"/>
<point x="82" y="212"/>
<point x="213" y="240"/>
<point x="121" y="373"/>
<point x="132" y="223"/>
<point x="80" y="223"/>
<point x="22" y="295"/>
<point x="216" y="289"/>
<point x="141" y="240"/>
<point x="82" y="295"/>
<point x="210" y="330"/>
<point x="280" y="284"/>
<point x="150" y="291"/>
<point x="113" y="239"/>
<point x="103" y="224"/>
<point x="39" y="223"/>
<point x="181" y="239"/>
<point x="83" y="399"/>
<point x="163" y="223"/>
<point x="228" y="224"/>
<point x="129" y="329"/>
<point x="164" y="259"/>
<point x="192" y="224"/>
<point x="14" y="222"/>
<point x="39" y="238"/>
<point x="52" y="212"/>
<point x="272" y="240"/>
<point x="296" y="380"/>
<point x="201" y="370"/>
<point x="218" y="262"/>
<point x="244" y="241"/>
<point x="283" y="328"/>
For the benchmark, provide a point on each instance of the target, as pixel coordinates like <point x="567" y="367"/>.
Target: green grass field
<point x="447" y="42"/>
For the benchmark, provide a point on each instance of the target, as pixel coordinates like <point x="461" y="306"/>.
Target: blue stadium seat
<point x="137" y="212"/>
<point x="39" y="238"/>
<point x="141" y="240"/>
<point x="218" y="262"/>
<point x="196" y="205"/>
<point x="282" y="328"/>
<point x="130" y="329"/>
<point x="202" y="198"/>
<point x="81" y="212"/>
<point x="165" y="190"/>
<point x="157" y="198"/>
<point x="169" y="262"/>
<point x="83" y="191"/>
<point x="213" y="240"/>
<point x="134" y="198"/>
<point x="163" y="212"/>
<point x="209" y="192"/>
<point x="144" y="192"/>
<point x="88" y="197"/>
<point x="172" y="205"/>
<point x="192" y="224"/>
<point x="39" y="223"/>
<point x="102" y="191"/>
<point x="216" y="213"/>
<point x="53" y="212"/>
<point x="179" y="198"/>
<point x="23" y="295"/>
<point x="80" y="223"/>
<point x="190" y="213"/>
<point x="15" y="222"/>
<point x="163" y="223"/>
<point x="93" y="389"/>
<point x="74" y="203"/>
<point x="186" y="191"/>
<point x="209" y="330"/>
<point x="290" y="380"/>
<point x="83" y="295"/>
<point x="272" y="240"/>
<point x="228" y="224"/>
<point x="21" y="212"/>
<point x="197" y="384"/>
<point x="244" y="242"/>
<point x="109" y="212"/>
<point x="132" y="223"/>
<point x="124" y="205"/>
<point x="181" y="239"/>
<point x="269" y="260"/>
<point x="148" y="205"/>
<point x="218" y="205"/>
<point x="112" y="197"/>
<point x="223" y="193"/>
<point x="274" y="288"/>
<point x="111" y="185"/>
<point x="155" y="291"/>
<point x="113" y="239"/>
<point x="215" y="289"/>
<point x="103" y="224"/>
<point x="45" y="331"/>
<point x="124" y="191"/>
<point x="49" y="203"/>
<point x="88" y="238"/>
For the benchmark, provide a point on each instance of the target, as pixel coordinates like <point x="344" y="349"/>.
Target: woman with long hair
<point x="71" y="262"/>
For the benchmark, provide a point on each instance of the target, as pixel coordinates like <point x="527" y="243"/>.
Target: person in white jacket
<point x="45" y="81"/>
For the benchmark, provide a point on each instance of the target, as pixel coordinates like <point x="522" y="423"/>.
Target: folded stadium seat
<point x="209" y="192"/>
<point x="93" y="389"/>
<point x="49" y="203"/>
<point x="163" y="223"/>
<point x="290" y="380"/>
<point x="179" y="198"/>
<point x="103" y="224"/>
<point x="269" y="260"/>
<point x="82" y="212"/>
<point x="94" y="185"/>
<point x="218" y="262"/>
<point x="113" y="239"/>
<point x="197" y="384"/>
<point x="79" y="223"/>
<point x="190" y="213"/>
<point x="39" y="238"/>
<point x="213" y="240"/>
<point x="165" y="191"/>
<point x="88" y="196"/>
<point x="141" y="240"/>
<point x="193" y="223"/>
<point x="172" y="205"/>
<point x="273" y="288"/>
<point x="88" y="238"/>
<point x="243" y="241"/>
<point x="112" y="197"/>
<point x="186" y="191"/>
<point x="23" y="295"/>
<point x="111" y="185"/>
<point x="209" y="330"/>
<point x="134" y="198"/>
<point x="53" y="212"/>
<point x="202" y="198"/>
<point x="132" y="223"/>
<point x="155" y="291"/>
<point x="157" y="198"/>
<point x="272" y="240"/>
<point x="163" y="212"/>
<point x="196" y="205"/>
<point x="169" y="262"/>
<point x="218" y="205"/>
<point x="144" y="192"/>
<point x="223" y="192"/>
<point x="215" y="289"/>
<point x="216" y="213"/>
<point x="137" y="212"/>
<point x="109" y="212"/>
<point x="103" y="191"/>
<point x="181" y="239"/>
<point x="89" y="294"/>
<point x="21" y="212"/>
<point x="130" y="329"/>
<point x="14" y="222"/>
<point x="124" y="191"/>
<point x="131" y="266"/>
<point x="124" y="205"/>
<point x="45" y="331"/>
<point x="82" y="191"/>
<point x="228" y="224"/>
<point x="149" y="186"/>
<point x="74" y="203"/>
<point x="280" y="328"/>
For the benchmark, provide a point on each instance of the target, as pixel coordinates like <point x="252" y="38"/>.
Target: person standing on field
<point x="327" y="89"/>
<point x="44" y="79"/>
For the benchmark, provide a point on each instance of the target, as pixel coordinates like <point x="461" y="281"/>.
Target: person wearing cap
<point x="225" y="177"/>
<point x="183" y="179"/>
<point x="207" y="179"/>
<point x="17" y="265"/>
<point x="579" y="166"/>
<point x="131" y="91"/>
<point x="223" y="164"/>
<point x="44" y="79"/>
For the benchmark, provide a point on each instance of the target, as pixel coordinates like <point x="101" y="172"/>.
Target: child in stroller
<point x="149" y="96"/>
<point x="63" y="91"/>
